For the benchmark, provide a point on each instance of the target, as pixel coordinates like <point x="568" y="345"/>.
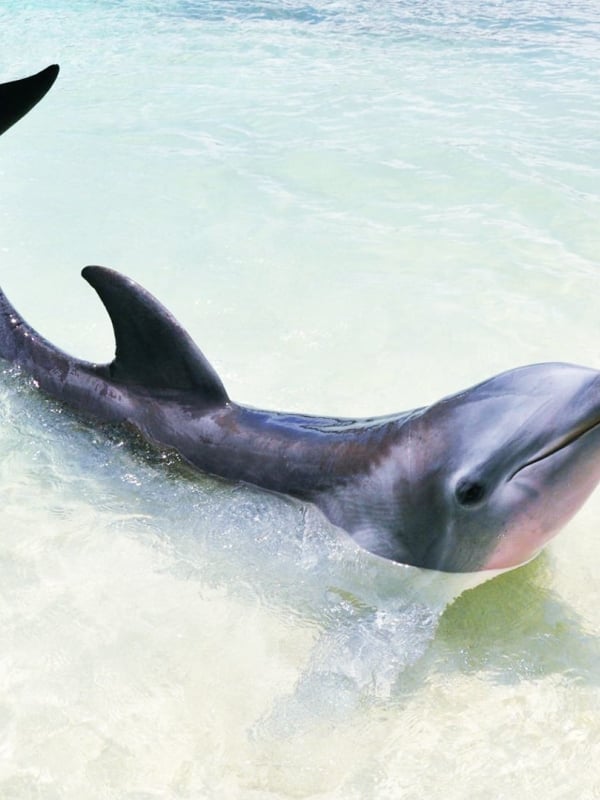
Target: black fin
<point x="19" y="97"/>
<point x="153" y="350"/>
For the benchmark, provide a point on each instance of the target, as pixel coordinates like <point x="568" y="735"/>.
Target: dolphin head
<point x="489" y="475"/>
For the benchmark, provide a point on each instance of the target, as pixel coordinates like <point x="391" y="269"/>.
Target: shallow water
<point x="355" y="208"/>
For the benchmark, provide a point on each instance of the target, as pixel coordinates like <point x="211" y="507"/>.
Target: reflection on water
<point x="355" y="208"/>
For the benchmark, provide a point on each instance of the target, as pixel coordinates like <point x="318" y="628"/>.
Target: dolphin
<point x="480" y="480"/>
<point x="19" y="97"/>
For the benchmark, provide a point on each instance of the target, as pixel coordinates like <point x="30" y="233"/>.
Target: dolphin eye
<point x="469" y="493"/>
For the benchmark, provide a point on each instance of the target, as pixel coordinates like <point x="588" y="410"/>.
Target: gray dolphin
<point x="18" y="97"/>
<point x="479" y="480"/>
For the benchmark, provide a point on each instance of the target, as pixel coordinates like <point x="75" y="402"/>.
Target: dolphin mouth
<point x="566" y="442"/>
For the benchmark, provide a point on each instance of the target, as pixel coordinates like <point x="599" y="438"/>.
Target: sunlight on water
<point x="354" y="208"/>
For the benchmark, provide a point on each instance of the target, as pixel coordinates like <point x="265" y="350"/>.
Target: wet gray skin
<point x="479" y="480"/>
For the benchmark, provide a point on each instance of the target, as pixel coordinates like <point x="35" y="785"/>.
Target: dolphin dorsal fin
<point x="19" y="97"/>
<point x="152" y="349"/>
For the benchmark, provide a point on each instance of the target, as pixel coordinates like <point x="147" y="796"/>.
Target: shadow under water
<point x="518" y="628"/>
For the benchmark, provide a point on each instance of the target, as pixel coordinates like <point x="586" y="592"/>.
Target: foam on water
<point x="355" y="208"/>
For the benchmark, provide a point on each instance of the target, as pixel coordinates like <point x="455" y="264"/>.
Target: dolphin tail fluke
<point x="19" y="97"/>
<point x="153" y="351"/>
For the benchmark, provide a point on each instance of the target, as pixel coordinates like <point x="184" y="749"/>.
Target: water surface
<point x="355" y="208"/>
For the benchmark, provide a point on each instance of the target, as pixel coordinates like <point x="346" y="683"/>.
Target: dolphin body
<point x="479" y="480"/>
<point x="19" y="97"/>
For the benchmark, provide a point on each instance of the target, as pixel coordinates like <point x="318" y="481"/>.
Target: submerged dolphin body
<point x="19" y="97"/>
<point x="479" y="480"/>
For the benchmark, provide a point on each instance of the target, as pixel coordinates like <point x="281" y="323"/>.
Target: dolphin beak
<point x="567" y="440"/>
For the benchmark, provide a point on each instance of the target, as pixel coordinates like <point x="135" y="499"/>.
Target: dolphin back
<point x="19" y="97"/>
<point x="154" y="354"/>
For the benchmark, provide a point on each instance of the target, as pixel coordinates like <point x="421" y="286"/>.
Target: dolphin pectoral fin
<point x="19" y="97"/>
<point x="152" y="349"/>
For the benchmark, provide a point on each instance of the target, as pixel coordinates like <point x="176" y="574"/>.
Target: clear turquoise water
<point x="355" y="208"/>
